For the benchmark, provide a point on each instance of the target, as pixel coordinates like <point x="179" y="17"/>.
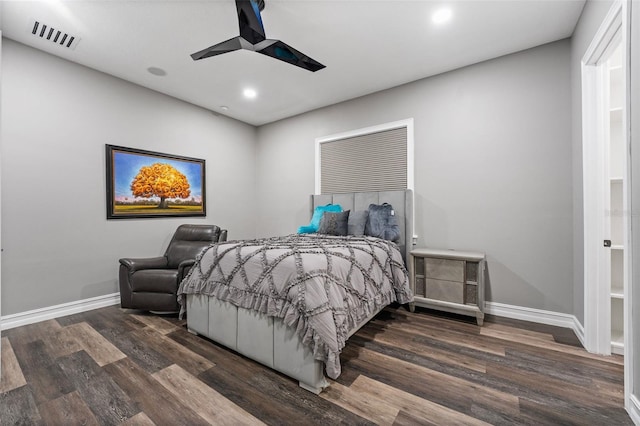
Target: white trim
<point x="578" y="329"/>
<point x="617" y="348"/>
<point x="410" y="155"/>
<point x="408" y="123"/>
<point x="51" y="312"/>
<point x="629" y="382"/>
<point x="634" y="409"/>
<point x="606" y="35"/>
<point x="540" y="316"/>
<point x="597" y="308"/>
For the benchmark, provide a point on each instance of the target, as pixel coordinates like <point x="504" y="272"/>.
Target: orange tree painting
<point x="150" y="184"/>
<point x="160" y="180"/>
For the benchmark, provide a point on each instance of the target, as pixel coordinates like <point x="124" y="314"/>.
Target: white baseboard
<point x="634" y="409"/>
<point x="51" y="312"/>
<point x="536" y="315"/>
<point x="579" y="330"/>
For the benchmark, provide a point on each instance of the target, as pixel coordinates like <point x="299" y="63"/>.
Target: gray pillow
<point x="382" y="222"/>
<point x="357" y="222"/>
<point x="334" y="223"/>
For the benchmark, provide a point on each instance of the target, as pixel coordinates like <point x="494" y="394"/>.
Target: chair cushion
<point x="155" y="281"/>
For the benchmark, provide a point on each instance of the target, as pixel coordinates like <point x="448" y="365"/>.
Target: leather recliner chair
<point x="152" y="283"/>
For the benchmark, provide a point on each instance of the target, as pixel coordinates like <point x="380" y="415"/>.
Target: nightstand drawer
<point x="444" y="269"/>
<point x="447" y="291"/>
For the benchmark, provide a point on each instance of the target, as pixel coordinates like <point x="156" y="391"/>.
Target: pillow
<point x="334" y="223"/>
<point x="357" y="222"/>
<point x="317" y="215"/>
<point x="382" y="222"/>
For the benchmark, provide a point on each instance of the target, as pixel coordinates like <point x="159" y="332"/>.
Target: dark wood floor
<point x="114" y="366"/>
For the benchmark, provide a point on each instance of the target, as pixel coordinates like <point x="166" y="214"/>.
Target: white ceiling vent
<point x="54" y="35"/>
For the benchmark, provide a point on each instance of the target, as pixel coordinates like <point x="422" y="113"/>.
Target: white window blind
<point x="368" y="162"/>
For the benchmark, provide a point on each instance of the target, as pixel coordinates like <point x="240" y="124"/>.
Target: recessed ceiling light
<point x="250" y="93"/>
<point x="157" y="71"/>
<point x="224" y="108"/>
<point x="441" y="16"/>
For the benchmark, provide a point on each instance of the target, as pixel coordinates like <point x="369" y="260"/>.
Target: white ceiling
<point x="367" y="45"/>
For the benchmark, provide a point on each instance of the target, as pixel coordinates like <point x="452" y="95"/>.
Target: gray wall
<point x="56" y="119"/>
<point x="493" y="158"/>
<point x="590" y="20"/>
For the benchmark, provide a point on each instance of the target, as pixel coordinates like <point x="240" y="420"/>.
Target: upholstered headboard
<point x="402" y="202"/>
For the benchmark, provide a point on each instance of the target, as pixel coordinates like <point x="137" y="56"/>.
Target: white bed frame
<point x="268" y="340"/>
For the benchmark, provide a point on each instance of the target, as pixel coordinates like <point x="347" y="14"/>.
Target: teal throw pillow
<point x="317" y="216"/>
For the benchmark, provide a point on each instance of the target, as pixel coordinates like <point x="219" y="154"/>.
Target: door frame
<point x="597" y="303"/>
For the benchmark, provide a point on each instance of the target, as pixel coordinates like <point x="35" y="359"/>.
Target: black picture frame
<point x="149" y="184"/>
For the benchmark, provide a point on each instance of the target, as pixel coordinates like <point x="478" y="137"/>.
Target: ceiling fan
<point x="252" y="37"/>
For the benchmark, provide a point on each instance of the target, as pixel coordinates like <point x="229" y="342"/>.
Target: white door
<point x="601" y="248"/>
<point x="606" y="171"/>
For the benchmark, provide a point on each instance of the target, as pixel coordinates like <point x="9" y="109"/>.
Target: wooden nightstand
<point x="448" y="280"/>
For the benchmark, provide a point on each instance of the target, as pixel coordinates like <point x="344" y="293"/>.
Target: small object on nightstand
<point x="448" y="280"/>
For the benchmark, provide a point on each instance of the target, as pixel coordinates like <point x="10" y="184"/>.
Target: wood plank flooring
<point x="112" y="366"/>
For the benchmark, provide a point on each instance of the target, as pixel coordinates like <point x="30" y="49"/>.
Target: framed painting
<point x="144" y="184"/>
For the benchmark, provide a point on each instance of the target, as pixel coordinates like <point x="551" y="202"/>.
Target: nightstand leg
<point x="412" y="307"/>
<point x="480" y="318"/>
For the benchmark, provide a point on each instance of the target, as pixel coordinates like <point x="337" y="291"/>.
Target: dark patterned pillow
<point x="334" y="223"/>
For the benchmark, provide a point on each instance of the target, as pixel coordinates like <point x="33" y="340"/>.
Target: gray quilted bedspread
<point x="324" y="286"/>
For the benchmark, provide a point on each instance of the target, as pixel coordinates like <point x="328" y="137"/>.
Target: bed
<point x="291" y="302"/>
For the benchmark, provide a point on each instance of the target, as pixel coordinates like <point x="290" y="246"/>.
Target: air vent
<point x="54" y="35"/>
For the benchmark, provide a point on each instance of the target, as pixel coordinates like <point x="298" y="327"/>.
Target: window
<point x="377" y="158"/>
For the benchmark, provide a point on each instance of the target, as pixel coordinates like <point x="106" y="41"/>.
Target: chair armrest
<point x="184" y="267"/>
<point x="134" y="265"/>
<point x="223" y="236"/>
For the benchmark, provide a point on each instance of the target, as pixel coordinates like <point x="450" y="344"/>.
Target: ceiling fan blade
<point x="230" y="45"/>
<point x="282" y="51"/>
